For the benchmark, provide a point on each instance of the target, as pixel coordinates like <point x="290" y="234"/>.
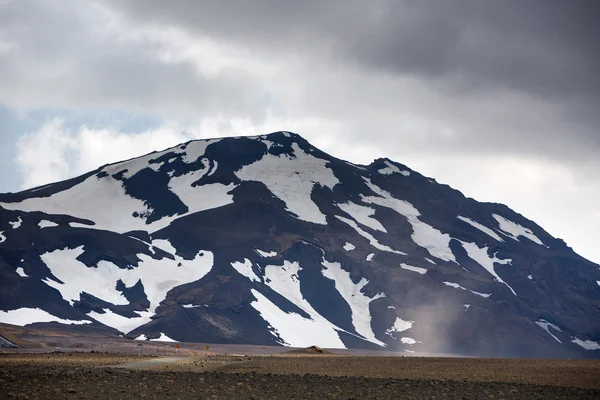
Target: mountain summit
<point x="269" y="240"/>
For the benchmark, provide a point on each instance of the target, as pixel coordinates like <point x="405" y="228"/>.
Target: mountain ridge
<point x="267" y="239"/>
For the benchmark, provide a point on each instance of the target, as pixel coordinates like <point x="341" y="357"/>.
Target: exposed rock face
<point x="268" y="240"/>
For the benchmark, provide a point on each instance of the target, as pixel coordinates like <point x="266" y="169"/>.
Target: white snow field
<point x="16" y="224"/>
<point x="157" y="277"/>
<point x="457" y="286"/>
<point x="47" y="224"/>
<point x="119" y="322"/>
<point x="481" y="256"/>
<point x="372" y="241"/>
<point x="419" y="270"/>
<point x="245" y="269"/>
<point x="514" y="230"/>
<point x="93" y="194"/>
<point x="362" y="214"/>
<point x="349" y="246"/>
<point x="424" y="235"/>
<point x="2" y="237"/>
<point x="482" y="228"/>
<point x="400" y="325"/>
<point x="356" y="299"/>
<point x="370" y="256"/>
<point x="293" y="329"/>
<point x="407" y="340"/>
<point x="392" y="169"/>
<point x="84" y="201"/>
<point x="292" y="180"/>
<point x="545" y="324"/>
<point x="21" y="272"/>
<point x="586" y="344"/>
<point x="25" y="316"/>
<point x="162" y="338"/>
<point x="266" y="254"/>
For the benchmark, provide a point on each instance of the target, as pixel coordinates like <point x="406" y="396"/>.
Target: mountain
<point x="269" y="240"/>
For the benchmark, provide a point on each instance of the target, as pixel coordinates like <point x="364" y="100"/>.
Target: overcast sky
<point x="499" y="99"/>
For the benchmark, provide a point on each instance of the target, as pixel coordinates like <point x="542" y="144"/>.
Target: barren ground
<point x="287" y="376"/>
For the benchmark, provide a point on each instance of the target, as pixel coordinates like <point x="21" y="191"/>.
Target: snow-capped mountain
<point x="268" y="240"/>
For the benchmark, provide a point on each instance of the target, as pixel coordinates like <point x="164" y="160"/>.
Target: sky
<point x="499" y="99"/>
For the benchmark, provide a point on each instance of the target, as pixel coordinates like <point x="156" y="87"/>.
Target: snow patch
<point x="466" y="307"/>
<point x="363" y="215"/>
<point x="164" y="245"/>
<point x="196" y="198"/>
<point x="190" y="306"/>
<point x="214" y="168"/>
<point x="245" y="269"/>
<point x="86" y="199"/>
<point x="407" y="340"/>
<point x="17" y="224"/>
<point x="482" y="228"/>
<point x="119" y="322"/>
<point x="392" y="169"/>
<point x="586" y="344"/>
<point x="372" y="241"/>
<point x="349" y="246"/>
<point x="292" y="179"/>
<point x="292" y="329"/>
<point x="545" y="324"/>
<point x="79" y="225"/>
<point x="481" y="257"/>
<point x="356" y="299"/>
<point x="47" y="224"/>
<point x="515" y="230"/>
<point x="21" y="272"/>
<point x="266" y="254"/>
<point x="163" y="338"/>
<point x="157" y="277"/>
<point x="430" y="261"/>
<point x="424" y="235"/>
<point x="26" y="316"/>
<point x="457" y="286"/>
<point x="370" y="256"/>
<point x="156" y="166"/>
<point x="419" y="270"/>
<point x="400" y="325"/>
<point x="2" y="237"/>
<point x="531" y="278"/>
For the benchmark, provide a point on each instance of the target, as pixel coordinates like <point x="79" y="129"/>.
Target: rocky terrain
<point x="267" y="240"/>
<point x="86" y="376"/>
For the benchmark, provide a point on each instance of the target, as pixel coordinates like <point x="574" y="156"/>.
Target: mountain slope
<point x="269" y="240"/>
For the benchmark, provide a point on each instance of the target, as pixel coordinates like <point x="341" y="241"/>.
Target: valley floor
<point x="286" y="376"/>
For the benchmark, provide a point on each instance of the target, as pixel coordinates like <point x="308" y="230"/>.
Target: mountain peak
<point x="282" y="243"/>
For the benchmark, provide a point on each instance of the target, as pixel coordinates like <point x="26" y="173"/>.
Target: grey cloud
<point x="508" y="76"/>
<point x="548" y="47"/>
<point x="65" y="58"/>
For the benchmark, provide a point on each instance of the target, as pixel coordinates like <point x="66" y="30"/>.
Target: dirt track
<point x="83" y="376"/>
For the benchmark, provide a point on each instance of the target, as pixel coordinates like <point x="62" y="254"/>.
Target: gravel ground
<point x="77" y="376"/>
